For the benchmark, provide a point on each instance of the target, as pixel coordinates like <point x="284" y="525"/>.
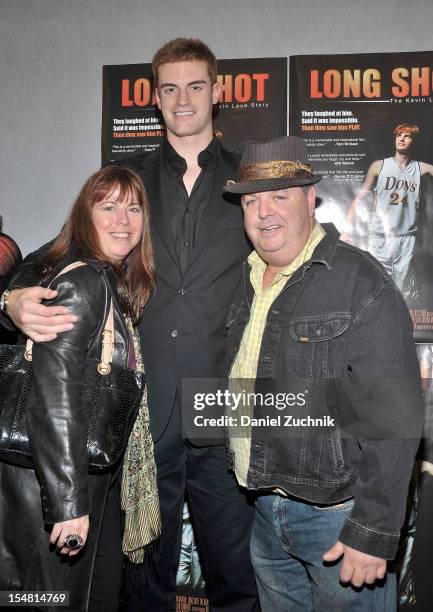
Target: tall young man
<point x="199" y="244"/>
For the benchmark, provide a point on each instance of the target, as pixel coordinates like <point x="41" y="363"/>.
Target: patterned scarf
<point x="139" y="491"/>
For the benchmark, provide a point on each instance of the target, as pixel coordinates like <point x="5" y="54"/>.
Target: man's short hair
<point x="184" y="50"/>
<point x="410" y="128"/>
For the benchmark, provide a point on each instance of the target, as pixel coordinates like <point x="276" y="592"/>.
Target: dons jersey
<point x="397" y="197"/>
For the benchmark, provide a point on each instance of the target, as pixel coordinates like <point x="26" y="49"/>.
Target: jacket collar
<point x="325" y="250"/>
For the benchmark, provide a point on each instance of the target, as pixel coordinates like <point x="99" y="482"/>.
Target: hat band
<point x="274" y="169"/>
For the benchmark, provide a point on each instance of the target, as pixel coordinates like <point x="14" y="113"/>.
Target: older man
<point x="322" y="322"/>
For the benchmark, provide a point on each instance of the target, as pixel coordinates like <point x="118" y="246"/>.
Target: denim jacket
<point x="340" y="330"/>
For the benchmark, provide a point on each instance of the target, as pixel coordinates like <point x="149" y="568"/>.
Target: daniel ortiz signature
<point x="287" y="420"/>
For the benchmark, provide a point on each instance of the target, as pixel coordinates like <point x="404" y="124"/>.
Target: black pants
<point x="107" y="572"/>
<point x="222" y="521"/>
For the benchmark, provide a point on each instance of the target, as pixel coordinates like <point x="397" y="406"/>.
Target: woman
<point x="60" y="527"/>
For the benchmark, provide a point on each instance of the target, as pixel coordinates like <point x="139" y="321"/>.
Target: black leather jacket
<point x="341" y="335"/>
<point x="58" y="441"/>
<point x="57" y="368"/>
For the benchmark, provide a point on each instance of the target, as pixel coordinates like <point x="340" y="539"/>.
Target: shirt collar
<point x="178" y="163"/>
<point x="258" y="266"/>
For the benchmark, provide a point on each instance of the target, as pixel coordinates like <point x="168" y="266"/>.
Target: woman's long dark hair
<point x="135" y="277"/>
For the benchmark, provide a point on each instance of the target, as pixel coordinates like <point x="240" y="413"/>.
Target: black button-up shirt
<point x="184" y="212"/>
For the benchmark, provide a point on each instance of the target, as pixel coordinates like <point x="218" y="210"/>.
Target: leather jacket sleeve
<point x="56" y="430"/>
<point x="384" y="392"/>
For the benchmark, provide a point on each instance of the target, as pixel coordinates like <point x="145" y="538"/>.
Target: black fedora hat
<point x="277" y="164"/>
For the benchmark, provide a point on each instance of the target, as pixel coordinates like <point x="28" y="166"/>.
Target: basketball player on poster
<point x="394" y="216"/>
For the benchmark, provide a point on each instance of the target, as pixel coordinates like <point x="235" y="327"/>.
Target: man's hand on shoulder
<point x="41" y="323"/>
<point x="358" y="568"/>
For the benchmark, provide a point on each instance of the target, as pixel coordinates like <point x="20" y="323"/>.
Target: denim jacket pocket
<point x="317" y="345"/>
<point x="317" y="353"/>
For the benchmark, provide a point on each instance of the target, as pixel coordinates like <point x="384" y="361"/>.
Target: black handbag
<point x="111" y="397"/>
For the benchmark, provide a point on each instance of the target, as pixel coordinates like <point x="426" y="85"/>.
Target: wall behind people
<point x="51" y="73"/>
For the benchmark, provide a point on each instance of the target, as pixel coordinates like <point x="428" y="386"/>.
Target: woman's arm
<point x="57" y="429"/>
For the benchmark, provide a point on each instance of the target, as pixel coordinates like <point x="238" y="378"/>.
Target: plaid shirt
<point x="243" y="373"/>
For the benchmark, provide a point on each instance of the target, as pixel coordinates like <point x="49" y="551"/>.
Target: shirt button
<point x="186" y="243"/>
<point x="174" y="333"/>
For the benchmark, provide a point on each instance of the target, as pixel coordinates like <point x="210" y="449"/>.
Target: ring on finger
<point x="74" y="541"/>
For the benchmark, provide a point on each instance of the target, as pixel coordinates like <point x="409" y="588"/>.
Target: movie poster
<point x="131" y="123"/>
<point x="253" y="100"/>
<point x="252" y="105"/>
<point x="377" y="184"/>
<point x="191" y="596"/>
